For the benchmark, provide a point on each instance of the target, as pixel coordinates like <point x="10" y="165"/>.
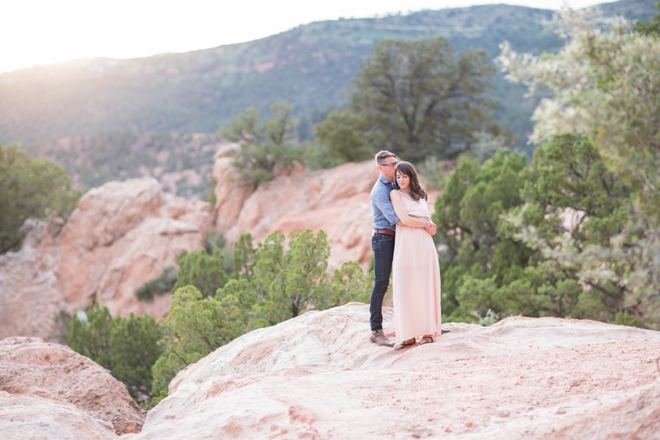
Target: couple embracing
<point x="403" y="247"/>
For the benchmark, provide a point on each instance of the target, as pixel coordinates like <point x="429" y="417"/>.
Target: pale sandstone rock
<point x="146" y="240"/>
<point x="52" y="372"/>
<point x="229" y="194"/>
<point x="28" y="417"/>
<point x="318" y="376"/>
<point x="119" y="237"/>
<point x="29" y="294"/>
<point x="335" y="200"/>
<point x="297" y="169"/>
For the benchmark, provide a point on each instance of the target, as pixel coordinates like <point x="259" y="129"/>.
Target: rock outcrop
<point x="318" y="376"/>
<point x="30" y="298"/>
<point x="120" y="236"/>
<point x="50" y="391"/>
<point x="335" y="200"/>
<point x="123" y="234"/>
<point x="33" y="418"/>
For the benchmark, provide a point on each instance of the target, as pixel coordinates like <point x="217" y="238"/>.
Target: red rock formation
<point x="120" y="236"/>
<point x="35" y="373"/>
<point x="229" y="194"/>
<point x="336" y="201"/>
<point x="29" y="296"/>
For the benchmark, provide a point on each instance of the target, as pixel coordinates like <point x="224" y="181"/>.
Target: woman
<point x="416" y="271"/>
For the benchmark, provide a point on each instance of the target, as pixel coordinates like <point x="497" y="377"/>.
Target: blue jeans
<point x="383" y="247"/>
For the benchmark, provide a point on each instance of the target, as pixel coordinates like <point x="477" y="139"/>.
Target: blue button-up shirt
<point x="384" y="215"/>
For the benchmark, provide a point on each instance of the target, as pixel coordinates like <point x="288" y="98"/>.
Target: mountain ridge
<point x="310" y="66"/>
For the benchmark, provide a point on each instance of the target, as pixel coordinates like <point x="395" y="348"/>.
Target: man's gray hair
<point x="382" y="155"/>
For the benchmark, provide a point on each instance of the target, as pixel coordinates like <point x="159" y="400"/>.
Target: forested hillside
<point x="308" y="66"/>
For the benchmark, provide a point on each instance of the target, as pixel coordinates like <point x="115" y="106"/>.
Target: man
<point x="382" y="242"/>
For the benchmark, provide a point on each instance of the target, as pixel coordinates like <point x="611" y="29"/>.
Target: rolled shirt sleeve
<point x="383" y="211"/>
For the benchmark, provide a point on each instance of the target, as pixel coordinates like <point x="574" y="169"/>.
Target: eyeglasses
<point x="393" y="164"/>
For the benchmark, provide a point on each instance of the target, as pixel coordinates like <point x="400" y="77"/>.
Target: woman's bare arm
<point x="406" y="220"/>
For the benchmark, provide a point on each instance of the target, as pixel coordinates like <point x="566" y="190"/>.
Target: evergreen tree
<point x="566" y="195"/>
<point x="650" y="28"/>
<point x="467" y="215"/>
<point x="341" y="134"/>
<point x="195" y="327"/>
<point x="206" y="272"/>
<point x="125" y="346"/>
<point x="270" y="284"/>
<point x="420" y="99"/>
<point x="243" y="257"/>
<point x="605" y="86"/>
<point x="264" y="145"/>
<point x="30" y="188"/>
<point x="570" y="197"/>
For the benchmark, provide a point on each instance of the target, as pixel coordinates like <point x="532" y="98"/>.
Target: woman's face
<point x="402" y="180"/>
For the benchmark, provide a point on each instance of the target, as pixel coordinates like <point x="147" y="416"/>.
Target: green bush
<point x="195" y="327"/>
<point x="488" y="270"/>
<point x="30" y="188"/>
<point x="315" y="156"/>
<point x="126" y="346"/>
<point x="264" y="145"/>
<point x="341" y="135"/>
<point x="269" y="285"/>
<point x="157" y="286"/>
<point x="206" y="272"/>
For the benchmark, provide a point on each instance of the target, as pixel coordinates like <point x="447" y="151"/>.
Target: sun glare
<point x="46" y="31"/>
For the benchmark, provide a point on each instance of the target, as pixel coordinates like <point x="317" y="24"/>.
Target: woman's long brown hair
<point x="416" y="190"/>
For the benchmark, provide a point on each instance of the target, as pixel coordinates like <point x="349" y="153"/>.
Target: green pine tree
<point x="125" y="346"/>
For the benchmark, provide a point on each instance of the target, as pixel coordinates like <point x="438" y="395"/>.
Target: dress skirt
<point x="415" y="279"/>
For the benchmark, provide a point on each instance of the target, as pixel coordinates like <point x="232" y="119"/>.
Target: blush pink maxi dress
<point x="415" y="278"/>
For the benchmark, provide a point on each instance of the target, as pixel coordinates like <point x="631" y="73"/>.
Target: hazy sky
<point x="48" y="31"/>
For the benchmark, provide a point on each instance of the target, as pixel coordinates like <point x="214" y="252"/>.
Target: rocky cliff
<point x="317" y="376"/>
<point x="336" y="201"/>
<point x="120" y="235"/>
<point x="123" y="234"/>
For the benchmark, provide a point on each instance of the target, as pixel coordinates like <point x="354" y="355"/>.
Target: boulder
<point x="318" y="376"/>
<point x="28" y="417"/>
<point x="87" y="395"/>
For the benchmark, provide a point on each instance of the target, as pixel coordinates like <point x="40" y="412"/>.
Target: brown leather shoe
<point x="379" y="338"/>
